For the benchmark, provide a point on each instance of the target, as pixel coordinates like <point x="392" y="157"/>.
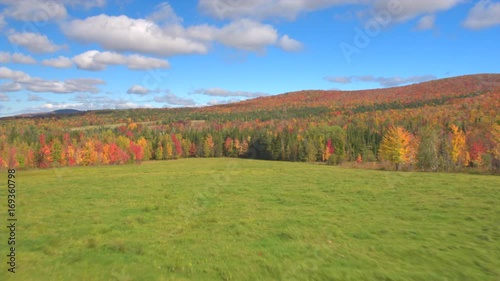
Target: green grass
<point x="230" y="219"/>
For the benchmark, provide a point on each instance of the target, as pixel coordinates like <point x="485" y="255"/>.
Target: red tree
<point x="137" y="151"/>
<point x="177" y="145"/>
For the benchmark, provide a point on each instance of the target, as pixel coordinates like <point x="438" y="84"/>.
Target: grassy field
<point x="230" y="219"/>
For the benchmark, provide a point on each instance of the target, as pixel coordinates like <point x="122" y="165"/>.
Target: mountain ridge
<point x="450" y="87"/>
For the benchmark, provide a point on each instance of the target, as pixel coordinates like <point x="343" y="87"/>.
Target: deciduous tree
<point x="395" y="146"/>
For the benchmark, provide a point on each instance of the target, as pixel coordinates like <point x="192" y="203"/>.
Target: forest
<point x="450" y="124"/>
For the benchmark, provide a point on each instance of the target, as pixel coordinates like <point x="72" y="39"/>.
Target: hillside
<point x="436" y="89"/>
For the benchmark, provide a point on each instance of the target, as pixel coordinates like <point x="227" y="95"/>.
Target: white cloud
<point x="219" y="102"/>
<point x="6" y="57"/>
<point x="10" y="87"/>
<point x="35" y="98"/>
<point x="426" y="22"/>
<point x="261" y="9"/>
<point x="35" y="84"/>
<point x="123" y="34"/>
<point x="171" y="99"/>
<point x="59" y="62"/>
<point x="34" y="42"/>
<point x="138" y="62"/>
<point x="409" y="9"/>
<point x="339" y="79"/>
<point x="4" y="97"/>
<point x="289" y="44"/>
<point x="138" y="90"/>
<point x="383" y="81"/>
<point x="86" y="4"/>
<point x="34" y="10"/>
<point x="247" y="35"/>
<point x="93" y="102"/>
<point x="218" y="92"/>
<point x="483" y="15"/>
<point x="95" y="60"/>
<point x="14" y="75"/>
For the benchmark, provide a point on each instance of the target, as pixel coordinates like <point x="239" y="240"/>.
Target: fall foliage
<point x="444" y="125"/>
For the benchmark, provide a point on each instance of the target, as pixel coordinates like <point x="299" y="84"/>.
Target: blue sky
<point x="98" y="54"/>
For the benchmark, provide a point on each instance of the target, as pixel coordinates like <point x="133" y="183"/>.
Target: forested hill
<point x="427" y="91"/>
<point x="446" y="125"/>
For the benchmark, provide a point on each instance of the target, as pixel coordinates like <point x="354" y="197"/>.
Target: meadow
<point x="235" y="219"/>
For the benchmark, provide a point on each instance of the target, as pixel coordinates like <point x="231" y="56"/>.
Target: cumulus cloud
<point x="138" y="90"/>
<point x="483" y="15"/>
<point x="6" y="57"/>
<point x="10" y="87"/>
<point x="34" y="10"/>
<point x="219" y="102"/>
<point x="35" y="98"/>
<point x="288" y="44"/>
<point x="404" y="10"/>
<point x="383" y="81"/>
<point x="59" y="62"/>
<point x="218" y="92"/>
<point x="86" y="4"/>
<point x="95" y="60"/>
<point x="339" y="79"/>
<point x="94" y="102"/>
<point x="97" y="103"/>
<point x="171" y="99"/>
<point x="122" y="34"/>
<point x="14" y="75"/>
<point x="43" y="10"/>
<point x="35" y="84"/>
<point x="34" y="42"/>
<point x="426" y="22"/>
<point x="247" y="35"/>
<point x="261" y="9"/>
<point x="4" y="97"/>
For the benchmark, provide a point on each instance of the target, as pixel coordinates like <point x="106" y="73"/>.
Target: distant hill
<point x="431" y="90"/>
<point x="64" y="112"/>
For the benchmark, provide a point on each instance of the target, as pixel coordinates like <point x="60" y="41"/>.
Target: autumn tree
<point x="44" y="157"/>
<point x="137" y="152"/>
<point x="459" y="153"/>
<point x="328" y="150"/>
<point x="395" y="146"/>
<point x="228" y="147"/>
<point x="177" y="145"/>
<point x="159" y="151"/>
<point x="476" y="152"/>
<point x="146" y="148"/>
<point x="495" y="146"/>
<point x="88" y="154"/>
<point x="208" y="147"/>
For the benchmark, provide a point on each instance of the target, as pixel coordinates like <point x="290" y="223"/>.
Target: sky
<point x="111" y="54"/>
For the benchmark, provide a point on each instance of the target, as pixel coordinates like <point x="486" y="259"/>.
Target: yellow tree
<point x="395" y="146"/>
<point x="142" y="142"/>
<point x="208" y="147"/>
<point x="169" y="151"/>
<point x="495" y="149"/>
<point x="459" y="153"/>
<point x="88" y="154"/>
